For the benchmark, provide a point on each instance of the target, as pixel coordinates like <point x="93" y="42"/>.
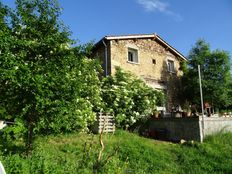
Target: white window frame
<point x="134" y="53"/>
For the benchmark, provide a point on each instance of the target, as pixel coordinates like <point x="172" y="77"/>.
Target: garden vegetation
<point x="78" y="153"/>
<point x="216" y="76"/>
<point x="49" y="86"/>
<point x="52" y="91"/>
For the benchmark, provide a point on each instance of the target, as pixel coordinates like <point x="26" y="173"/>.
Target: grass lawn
<point x="124" y="153"/>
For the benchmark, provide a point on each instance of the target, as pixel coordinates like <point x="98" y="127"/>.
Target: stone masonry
<point x="153" y="55"/>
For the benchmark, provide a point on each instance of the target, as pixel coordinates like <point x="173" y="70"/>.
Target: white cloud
<point x="160" y="6"/>
<point x="153" y="5"/>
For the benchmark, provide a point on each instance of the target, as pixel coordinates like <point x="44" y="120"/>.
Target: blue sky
<point x="178" y="22"/>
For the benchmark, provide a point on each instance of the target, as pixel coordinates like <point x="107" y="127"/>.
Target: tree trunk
<point x="30" y="135"/>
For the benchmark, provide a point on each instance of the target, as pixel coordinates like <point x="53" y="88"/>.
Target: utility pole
<point x="2" y="170"/>
<point x="202" y="105"/>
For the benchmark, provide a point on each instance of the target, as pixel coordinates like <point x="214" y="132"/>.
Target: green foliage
<point x="77" y="153"/>
<point x="45" y="84"/>
<point x="216" y="76"/>
<point x="129" y="98"/>
<point x="16" y="131"/>
<point x="212" y="156"/>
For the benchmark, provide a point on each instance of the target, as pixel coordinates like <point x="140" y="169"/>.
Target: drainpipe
<point x="105" y="57"/>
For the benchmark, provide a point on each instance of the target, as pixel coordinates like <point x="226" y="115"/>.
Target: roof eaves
<point x="133" y="36"/>
<point x="98" y="43"/>
<point x="141" y="36"/>
<point x="171" y="48"/>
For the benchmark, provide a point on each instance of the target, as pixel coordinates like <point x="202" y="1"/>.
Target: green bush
<point x="129" y="98"/>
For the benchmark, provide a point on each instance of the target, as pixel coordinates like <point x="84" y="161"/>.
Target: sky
<point x="180" y="23"/>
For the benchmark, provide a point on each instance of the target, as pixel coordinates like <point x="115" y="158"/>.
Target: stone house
<point x="147" y="56"/>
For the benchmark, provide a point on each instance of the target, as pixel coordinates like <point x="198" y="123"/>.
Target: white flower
<point x="65" y="46"/>
<point x="16" y="67"/>
<point x="132" y="119"/>
<point x="114" y="86"/>
<point x="147" y="101"/>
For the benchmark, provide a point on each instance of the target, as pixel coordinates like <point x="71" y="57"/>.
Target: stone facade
<point x="148" y="50"/>
<point x="152" y="56"/>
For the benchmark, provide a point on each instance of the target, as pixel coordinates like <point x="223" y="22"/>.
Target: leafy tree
<point x="129" y="98"/>
<point x="45" y="85"/>
<point x="216" y="76"/>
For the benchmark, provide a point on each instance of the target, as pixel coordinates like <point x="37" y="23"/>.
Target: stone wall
<point x="148" y="50"/>
<point x="216" y="124"/>
<point x="176" y="128"/>
<point x="156" y="75"/>
<point x="192" y="128"/>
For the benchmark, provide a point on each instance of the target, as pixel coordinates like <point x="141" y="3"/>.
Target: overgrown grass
<point x="126" y="153"/>
<point x="212" y="156"/>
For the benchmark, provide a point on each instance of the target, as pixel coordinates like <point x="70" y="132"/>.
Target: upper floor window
<point x="132" y="55"/>
<point x="153" y="61"/>
<point x="170" y="65"/>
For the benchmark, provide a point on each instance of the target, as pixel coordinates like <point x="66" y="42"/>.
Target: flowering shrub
<point x="129" y="98"/>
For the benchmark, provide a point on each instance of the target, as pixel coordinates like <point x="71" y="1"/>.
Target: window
<point x="171" y="66"/>
<point x="132" y="55"/>
<point x="153" y="61"/>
